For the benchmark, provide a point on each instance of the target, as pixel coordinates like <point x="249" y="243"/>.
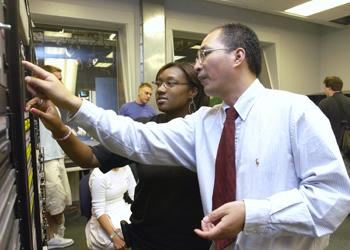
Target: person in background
<point x="58" y="193"/>
<point x="336" y="106"/>
<point x="167" y="205"/>
<point x="289" y="182"/>
<point x="109" y="207"/>
<point x="139" y="107"/>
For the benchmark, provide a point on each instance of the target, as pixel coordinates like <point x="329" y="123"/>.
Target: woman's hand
<point x="48" y="114"/>
<point x="46" y="86"/>
<point x="119" y="243"/>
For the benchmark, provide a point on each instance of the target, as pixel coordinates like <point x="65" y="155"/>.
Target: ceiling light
<point x="197" y="47"/>
<point x="112" y="36"/>
<point x="68" y="54"/>
<point x="55" y="50"/>
<point x="110" y="55"/>
<point x="103" y="65"/>
<point x="315" y="6"/>
<point x="57" y="34"/>
<point x="178" y="57"/>
<point x="94" y="61"/>
<point x="70" y="51"/>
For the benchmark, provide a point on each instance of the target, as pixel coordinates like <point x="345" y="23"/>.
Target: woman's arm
<point x="107" y="225"/>
<point x="78" y="151"/>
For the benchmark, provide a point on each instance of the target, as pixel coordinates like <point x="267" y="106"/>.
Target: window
<point x="87" y="59"/>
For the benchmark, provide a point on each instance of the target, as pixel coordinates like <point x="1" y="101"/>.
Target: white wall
<point x="121" y="15"/>
<point x="305" y="52"/>
<point x="297" y="43"/>
<point x="335" y="55"/>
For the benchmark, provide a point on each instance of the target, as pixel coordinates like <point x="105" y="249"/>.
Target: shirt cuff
<point x="257" y="214"/>
<point x="85" y="116"/>
<point x="71" y="117"/>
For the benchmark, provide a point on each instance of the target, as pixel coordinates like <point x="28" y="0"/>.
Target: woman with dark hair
<point x="167" y="205"/>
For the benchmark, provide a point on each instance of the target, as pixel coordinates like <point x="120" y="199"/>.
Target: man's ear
<point x="239" y="56"/>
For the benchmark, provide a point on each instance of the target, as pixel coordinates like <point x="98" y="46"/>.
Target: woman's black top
<point x="167" y="204"/>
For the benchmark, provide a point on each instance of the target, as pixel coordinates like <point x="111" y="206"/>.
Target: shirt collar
<point x="246" y="101"/>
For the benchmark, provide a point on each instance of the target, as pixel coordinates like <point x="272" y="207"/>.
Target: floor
<point x="340" y="240"/>
<point x="75" y="229"/>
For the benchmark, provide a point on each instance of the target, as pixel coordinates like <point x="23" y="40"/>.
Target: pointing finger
<point x="36" y="70"/>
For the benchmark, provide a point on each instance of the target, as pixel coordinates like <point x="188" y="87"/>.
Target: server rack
<point x="21" y="215"/>
<point x="8" y="190"/>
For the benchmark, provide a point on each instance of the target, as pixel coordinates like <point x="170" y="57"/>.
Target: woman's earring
<point x="191" y="106"/>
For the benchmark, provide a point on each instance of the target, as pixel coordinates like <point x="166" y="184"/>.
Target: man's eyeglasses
<point x="168" y="83"/>
<point x="203" y="53"/>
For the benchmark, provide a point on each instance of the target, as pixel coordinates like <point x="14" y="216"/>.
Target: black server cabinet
<point x="21" y="216"/>
<point x="9" y="236"/>
<point x="9" y="229"/>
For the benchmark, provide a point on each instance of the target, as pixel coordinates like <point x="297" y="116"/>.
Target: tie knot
<point x="231" y="113"/>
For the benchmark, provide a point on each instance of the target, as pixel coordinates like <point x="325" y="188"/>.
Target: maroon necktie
<point x="225" y="169"/>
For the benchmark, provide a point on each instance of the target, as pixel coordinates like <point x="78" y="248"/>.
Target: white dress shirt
<point x="290" y="172"/>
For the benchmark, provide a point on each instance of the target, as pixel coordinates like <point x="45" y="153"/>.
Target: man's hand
<point x="45" y="85"/>
<point x="230" y="219"/>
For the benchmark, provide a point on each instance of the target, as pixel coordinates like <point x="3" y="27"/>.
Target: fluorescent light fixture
<point x="103" y="65"/>
<point x="94" y="61"/>
<point x="196" y="47"/>
<point x="315" y="6"/>
<point x="110" y="55"/>
<point x="68" y="54"/>
<point x="178" y="57"/>
<point x="112" y="36"/>
<point x="57" y="34"/>
<point x="55" y="50"/>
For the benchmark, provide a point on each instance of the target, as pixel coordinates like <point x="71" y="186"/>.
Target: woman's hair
<point x="201" y="99"/>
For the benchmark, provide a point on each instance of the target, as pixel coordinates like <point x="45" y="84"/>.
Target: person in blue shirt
<point x="139" y="108"/>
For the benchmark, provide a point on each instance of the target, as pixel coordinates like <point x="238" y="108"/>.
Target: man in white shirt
<point x="292" y="189"/>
